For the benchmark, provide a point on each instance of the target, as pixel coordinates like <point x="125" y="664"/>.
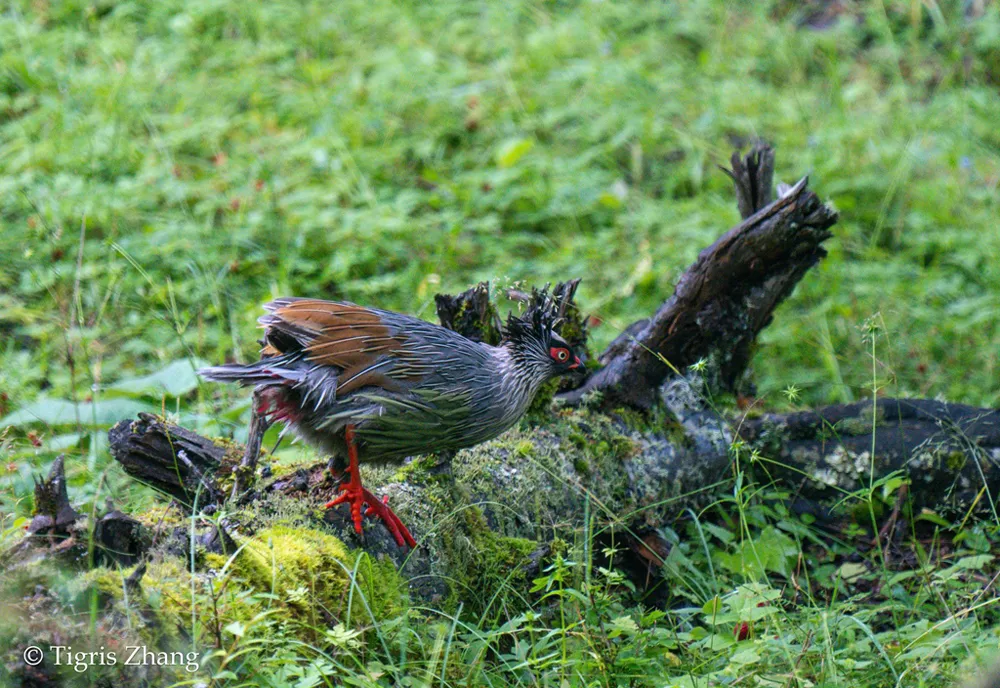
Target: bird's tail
<point x="266" y="371"/>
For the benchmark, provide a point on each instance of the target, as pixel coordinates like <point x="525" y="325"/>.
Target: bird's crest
<point x="536" y="322"/>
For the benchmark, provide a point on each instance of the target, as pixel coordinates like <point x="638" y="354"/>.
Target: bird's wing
<point x="361" y="343"/>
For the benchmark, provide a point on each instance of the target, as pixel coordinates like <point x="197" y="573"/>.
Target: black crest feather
<point x="537" y="320"/>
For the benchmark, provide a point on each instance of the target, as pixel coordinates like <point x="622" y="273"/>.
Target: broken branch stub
<point x="53" y="512"/>
<point x="753" y="177"/>
<point x="724" y="299"/>
<point x="168" y="458"/>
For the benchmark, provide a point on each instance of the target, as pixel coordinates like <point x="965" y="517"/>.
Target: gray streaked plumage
<point x="407" y="386"/>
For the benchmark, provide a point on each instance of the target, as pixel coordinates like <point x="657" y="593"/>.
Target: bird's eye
<point x="559" y="354"/>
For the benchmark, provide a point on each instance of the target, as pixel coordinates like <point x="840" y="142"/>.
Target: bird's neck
<point x="522" y="372"/>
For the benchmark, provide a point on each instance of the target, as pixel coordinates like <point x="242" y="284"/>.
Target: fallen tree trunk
<point x="950" y="453"/>
<point x="175" y="463"/>
<point x="535" y="485"/>
<point x="636" y="479"/>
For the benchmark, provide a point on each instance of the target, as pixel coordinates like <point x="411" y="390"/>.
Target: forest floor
<point x="165" y="167"/>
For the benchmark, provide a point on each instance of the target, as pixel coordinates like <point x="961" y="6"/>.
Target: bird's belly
<point x="390" y="428"/>
<point x="423" y="426"/>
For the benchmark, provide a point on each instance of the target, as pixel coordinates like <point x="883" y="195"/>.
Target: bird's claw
<point x="360" y="497"/>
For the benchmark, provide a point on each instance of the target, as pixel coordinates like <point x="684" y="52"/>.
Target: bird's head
<point x="534" y="344"/>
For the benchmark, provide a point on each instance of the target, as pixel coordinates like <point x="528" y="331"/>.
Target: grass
<point x="165" y="167"/>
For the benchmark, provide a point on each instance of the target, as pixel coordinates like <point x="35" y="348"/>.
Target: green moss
<point x="633" y="419"/>
<point x="161" y="607"/>
<point x="955" y="460"/>
<point x="310" y="572"/>
<point x="163" y="516"/>
<point x="540" y="410"/>
<point x="166" y="588"/>
<point x="107" y="583"/>
<point x="419" y="471"/>
<point x="598" y="438"/>
<point x="482" y="562"/>
<point x="862" y="424"/>
<point x="284" y="467"/>
<point x="524" y="448"/>
<point x="226" y="472"/>
<point x="276" y="509"/>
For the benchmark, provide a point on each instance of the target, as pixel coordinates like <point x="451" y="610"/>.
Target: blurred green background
<point x="168" y="166"/>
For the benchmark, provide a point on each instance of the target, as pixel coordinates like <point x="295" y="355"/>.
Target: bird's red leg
<point x="353" y="492"/>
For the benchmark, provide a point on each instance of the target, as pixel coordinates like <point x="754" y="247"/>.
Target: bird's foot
<point x="357" y="496"/>
<point x="380" y="507"/>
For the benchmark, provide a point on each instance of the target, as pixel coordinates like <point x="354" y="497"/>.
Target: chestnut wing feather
<point x="351" y="338"/>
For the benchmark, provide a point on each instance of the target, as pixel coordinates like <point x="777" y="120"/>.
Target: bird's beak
<point x="576" y="363"/>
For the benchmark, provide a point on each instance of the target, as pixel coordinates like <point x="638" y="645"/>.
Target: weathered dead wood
<point x="119" y="538"/>
<point x="753" y="177"/>
<point x="168" y="458"/>
<point x="949" y="452"/>
<point x="54" y="526"/>
<point x="58" y="530"/>
<point x="723" y="301"/>
<point x="471" y="313"/>
<point x="245" y="475"/>
<point x="53" y="512"/>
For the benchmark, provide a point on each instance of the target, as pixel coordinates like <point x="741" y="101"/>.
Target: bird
<point x="372" y="386"/>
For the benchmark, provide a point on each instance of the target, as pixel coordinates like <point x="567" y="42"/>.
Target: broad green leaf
<point x="722" y="534"/>
<point x="89" y="414"/>
<point x="712" y="607"/>
<point x="974" y="562"/>
<point x="771" y="551"/>
<point x="623" y="625"/>
<point x="744" y="657"/>
<point x="61" y="442"/>
<point x="513" y="150"/>
<point x="175" y="379"/>
<point x="609" y="200"/>
<point x="851" y="571"/>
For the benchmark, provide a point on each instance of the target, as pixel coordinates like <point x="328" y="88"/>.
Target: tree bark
<point x="949" y="452"/>
<point x="176" y="463"/>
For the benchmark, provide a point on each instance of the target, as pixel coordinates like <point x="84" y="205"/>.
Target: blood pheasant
<point x="375" y="386"/>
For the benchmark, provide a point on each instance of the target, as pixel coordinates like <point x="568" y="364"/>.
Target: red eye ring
<point x="559" y="354"/>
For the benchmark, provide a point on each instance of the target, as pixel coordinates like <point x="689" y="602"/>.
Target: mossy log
<point x="492" y="518"/>
<point x="175" y="463"/>
<point x="950" y="453"/>
<point x="500" y="507"/>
